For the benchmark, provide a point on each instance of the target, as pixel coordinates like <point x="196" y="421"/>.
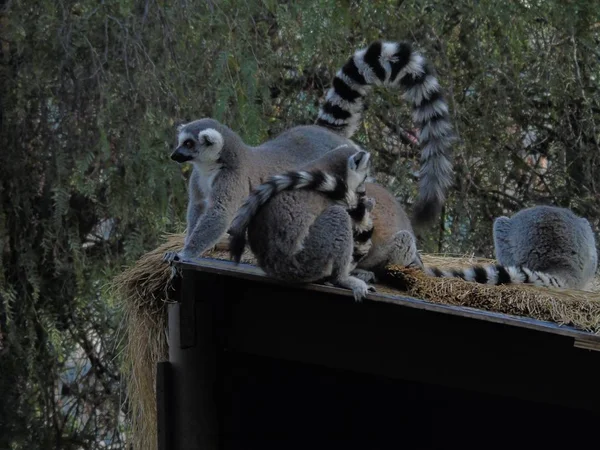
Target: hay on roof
<point x="579" y="309"/>
<point x="143" y="290"/>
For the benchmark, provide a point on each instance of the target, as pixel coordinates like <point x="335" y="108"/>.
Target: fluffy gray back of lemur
<point x="342" y="188"/>
<point x="542" y="245"/>
<point x="397" y="64"/>
<point x="305" y="236"/>
<point x="225" y="168"/>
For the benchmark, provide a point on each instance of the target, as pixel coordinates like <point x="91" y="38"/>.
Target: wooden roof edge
<point x="582" y="339"/>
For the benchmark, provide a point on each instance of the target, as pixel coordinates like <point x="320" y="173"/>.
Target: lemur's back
<point x="549" y="238"/>
<point x="308" y="142"/>
<point x="289" y="214"/>
<point x="298" y="210"/>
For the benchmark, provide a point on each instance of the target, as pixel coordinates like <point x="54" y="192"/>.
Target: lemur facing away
<point x="225" y="169"/>
<point x="382" y="237"/>
<point x="542" y="245"/>
<point x="299" y="225"/>
<point x="359" y="206"/>
<point x="332" y="185"/>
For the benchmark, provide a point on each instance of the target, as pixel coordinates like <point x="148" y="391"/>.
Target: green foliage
<point x="91" y="92"/>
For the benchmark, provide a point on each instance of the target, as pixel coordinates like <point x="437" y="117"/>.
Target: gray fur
<point x="397" y="64"/>
<point x="542" y="245"/>
<point x="548" y="239"/>
<point x="304" y="236"/>
<point x="341" y="188"/>
<point x="234" y="170"/>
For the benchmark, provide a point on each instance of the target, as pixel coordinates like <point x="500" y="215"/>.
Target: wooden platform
<point x="256" y="363"/>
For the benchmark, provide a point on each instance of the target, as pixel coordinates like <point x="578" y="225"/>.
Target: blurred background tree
<point x="90" y="95"/>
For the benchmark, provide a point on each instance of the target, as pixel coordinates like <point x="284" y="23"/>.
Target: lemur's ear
<point x="210" y="137"/>
<point x="352" y="164"/>
<point x="206" y="138"/>
<point x="359" y="159"/>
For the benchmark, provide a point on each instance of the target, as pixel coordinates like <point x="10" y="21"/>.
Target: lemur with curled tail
<point x="542" y="245"/>
<point x="225" y="169"/>
<point x="303" y="226"/>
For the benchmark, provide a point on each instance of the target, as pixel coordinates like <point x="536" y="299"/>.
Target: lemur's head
<point x="359" y="165"/>
<point x="198" y="142"/>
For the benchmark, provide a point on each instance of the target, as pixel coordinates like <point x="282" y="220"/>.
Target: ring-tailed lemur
<point x="542" y="245"/>
<point x="300" y="227"/>
<point x="396" y="64"/>
<point x="225" y="168"/>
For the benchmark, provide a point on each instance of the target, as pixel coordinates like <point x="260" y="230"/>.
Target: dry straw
<point x="579" y="309"/>
<point x="143" y="290"/>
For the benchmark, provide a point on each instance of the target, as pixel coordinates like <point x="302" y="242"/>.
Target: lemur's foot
<point x="359" y="288"/>
<point x="366" y="275"/>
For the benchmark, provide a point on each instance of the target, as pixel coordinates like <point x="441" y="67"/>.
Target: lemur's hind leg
<point x="330" y="244"/>
<point x="418" y="262"/>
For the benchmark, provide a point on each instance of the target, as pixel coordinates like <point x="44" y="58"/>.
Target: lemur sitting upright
<point x="303" y="226"/>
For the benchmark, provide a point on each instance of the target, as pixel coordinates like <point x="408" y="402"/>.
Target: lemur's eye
<point x="189" y="143"/>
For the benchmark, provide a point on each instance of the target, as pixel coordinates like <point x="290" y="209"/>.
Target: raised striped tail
<point x="436" y="136"/>
<point x="496" y="274"/>
<point x="317" y="180"/>
<point x="396" y="64"/>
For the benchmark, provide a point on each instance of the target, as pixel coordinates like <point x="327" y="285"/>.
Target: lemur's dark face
<point x="201" y="147"/>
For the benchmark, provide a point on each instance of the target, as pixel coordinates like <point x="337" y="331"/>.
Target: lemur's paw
<point x="169" y="257"/>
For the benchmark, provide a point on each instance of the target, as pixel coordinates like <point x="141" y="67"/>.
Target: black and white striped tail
<point x="317" y="180"/>
<point x="495" y="275"/>
<point x="396" y="64"/>
<point x="362" y="229"/>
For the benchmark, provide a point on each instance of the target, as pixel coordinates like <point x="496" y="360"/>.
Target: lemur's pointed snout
<point x="181" y="155"/>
